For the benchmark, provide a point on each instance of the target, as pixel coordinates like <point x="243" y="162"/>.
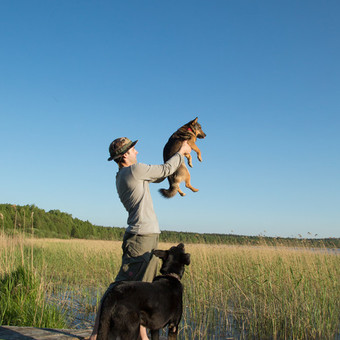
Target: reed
<point x="230" y="291"/>
<point x="23" y="291"/>
<point x="267" y="292"/>
<point x="3" y="223"/>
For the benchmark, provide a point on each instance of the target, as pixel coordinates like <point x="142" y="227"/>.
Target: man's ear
<point x="162" y="254"/>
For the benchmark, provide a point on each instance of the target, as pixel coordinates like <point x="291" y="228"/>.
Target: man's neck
<point x="125" y="165"/>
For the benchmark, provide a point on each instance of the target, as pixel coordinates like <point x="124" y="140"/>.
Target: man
<point x="142" y="234"/>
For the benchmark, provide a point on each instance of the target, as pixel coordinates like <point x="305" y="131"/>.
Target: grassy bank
<point x="241" y="291"/>
<point x="24" y="290"/>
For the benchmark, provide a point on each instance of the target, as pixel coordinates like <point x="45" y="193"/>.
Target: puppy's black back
<point x="172" y="146"/>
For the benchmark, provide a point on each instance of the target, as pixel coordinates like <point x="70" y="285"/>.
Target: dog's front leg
<point x="189" y="158"/>
<point x="154" y="334"/>
<point x="197" y="150"/>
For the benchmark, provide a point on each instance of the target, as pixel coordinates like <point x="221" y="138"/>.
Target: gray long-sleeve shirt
<point x="133" y="189"/>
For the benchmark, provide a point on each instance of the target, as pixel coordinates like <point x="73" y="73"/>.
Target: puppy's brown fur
<point x="189" y="132"/>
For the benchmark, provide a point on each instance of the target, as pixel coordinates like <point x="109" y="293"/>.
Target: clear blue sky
<point x="262" y="76"/>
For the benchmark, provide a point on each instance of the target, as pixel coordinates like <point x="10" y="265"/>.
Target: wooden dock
<point x="32" y="333"/>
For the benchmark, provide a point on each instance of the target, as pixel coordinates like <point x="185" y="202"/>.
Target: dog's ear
<point x="185" y="258"/>
<point x="181" y="245"/>
<point x="162" y="254"/>
<point x="192" y="122"/>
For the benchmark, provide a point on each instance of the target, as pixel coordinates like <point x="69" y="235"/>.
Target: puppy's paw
<point x="199" y="158"/>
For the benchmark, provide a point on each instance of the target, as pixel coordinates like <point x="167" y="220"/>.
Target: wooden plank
<point x="32" y="333"/>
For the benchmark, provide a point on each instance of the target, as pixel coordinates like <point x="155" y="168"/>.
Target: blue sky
<point x="263" y="77"/>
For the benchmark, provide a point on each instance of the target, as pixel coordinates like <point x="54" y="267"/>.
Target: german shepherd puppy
<point x="189" y="132"/>
<point x="129" y="304"/>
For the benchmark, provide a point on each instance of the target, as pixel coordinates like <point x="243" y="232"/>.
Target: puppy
<point x="189" y="132"/>
<point x="155" y="305"/>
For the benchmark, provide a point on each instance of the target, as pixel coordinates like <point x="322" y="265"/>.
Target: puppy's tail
<point x="168" y="193"/>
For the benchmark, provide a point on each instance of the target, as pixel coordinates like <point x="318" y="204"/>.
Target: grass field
<point x="239" y="292"/>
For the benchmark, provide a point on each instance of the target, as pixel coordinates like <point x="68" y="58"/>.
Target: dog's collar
<point x="176" y="276"/>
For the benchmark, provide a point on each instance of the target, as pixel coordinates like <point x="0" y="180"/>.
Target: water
<point x="80" y="308"/>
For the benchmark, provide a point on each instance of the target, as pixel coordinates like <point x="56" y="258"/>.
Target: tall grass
<point x="23" y="292"/>
<point x="23" y="302"/>
<point x="230" y="291"/>
<point x="267" y="292"/>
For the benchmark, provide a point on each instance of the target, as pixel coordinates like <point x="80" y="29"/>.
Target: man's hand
<point x="185" y="148"/>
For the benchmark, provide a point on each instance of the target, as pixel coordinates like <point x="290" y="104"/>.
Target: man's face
<point x="131" y="156"/>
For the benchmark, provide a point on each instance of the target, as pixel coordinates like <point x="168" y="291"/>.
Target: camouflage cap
<point x="120" y="146"/>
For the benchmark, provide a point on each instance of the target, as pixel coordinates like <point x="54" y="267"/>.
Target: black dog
<point x="155" y="305"/>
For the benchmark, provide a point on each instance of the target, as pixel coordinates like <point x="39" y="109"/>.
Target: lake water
<point x="80" y="311"/>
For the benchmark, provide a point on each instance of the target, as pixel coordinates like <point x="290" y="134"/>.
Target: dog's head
<point x="196" y="128"/>
<point x="173" y="260"/>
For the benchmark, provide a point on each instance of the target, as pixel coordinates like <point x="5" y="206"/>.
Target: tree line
<point x="29" y="219"/>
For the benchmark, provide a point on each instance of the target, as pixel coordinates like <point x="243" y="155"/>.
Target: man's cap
<point x="119" y="147"/>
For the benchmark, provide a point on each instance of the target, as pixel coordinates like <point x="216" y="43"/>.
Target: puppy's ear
<point x="181" y="245"/>
<point x="185" y="258"/>
<point x="162" y="254"/>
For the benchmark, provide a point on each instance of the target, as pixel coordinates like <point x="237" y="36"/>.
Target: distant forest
<point x="29" y="219"/>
